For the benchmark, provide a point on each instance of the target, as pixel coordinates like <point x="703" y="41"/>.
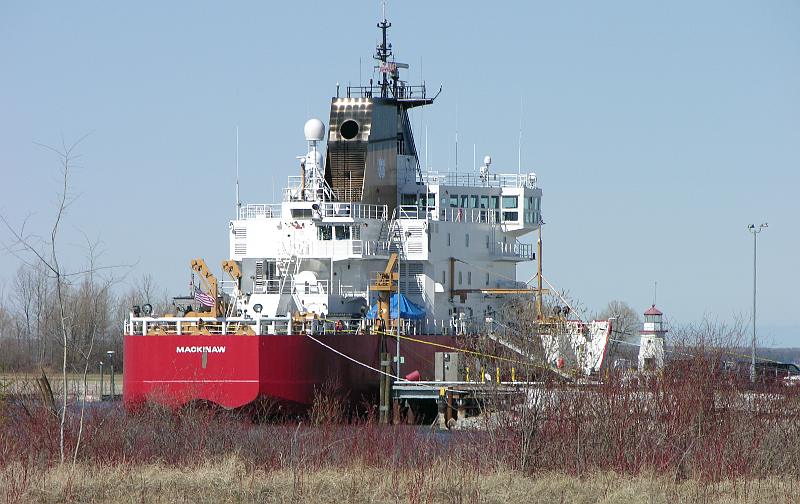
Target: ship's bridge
<point x="509" y="201"/>
<point x="307" y="229"/>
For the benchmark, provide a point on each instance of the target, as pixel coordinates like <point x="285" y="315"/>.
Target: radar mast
<point x="382" y="54"/>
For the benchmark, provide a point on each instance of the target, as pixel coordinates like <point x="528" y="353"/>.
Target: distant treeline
<point x="94" y="310"/>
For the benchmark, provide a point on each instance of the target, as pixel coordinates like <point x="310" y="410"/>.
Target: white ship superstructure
<point x="457" y="236"/>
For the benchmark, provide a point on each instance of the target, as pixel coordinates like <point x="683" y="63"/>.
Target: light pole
<point x="754" y="230"/>
<point x="110" y="355"/>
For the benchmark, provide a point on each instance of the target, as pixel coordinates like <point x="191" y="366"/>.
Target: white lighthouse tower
<point x="651" y="348"/>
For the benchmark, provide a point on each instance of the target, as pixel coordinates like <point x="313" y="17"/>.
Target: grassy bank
<point x="687" y="436"/>
<point x="231" y="480"/>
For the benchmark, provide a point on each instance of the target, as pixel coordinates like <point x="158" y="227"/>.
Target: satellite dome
<point x="314" y="130"/>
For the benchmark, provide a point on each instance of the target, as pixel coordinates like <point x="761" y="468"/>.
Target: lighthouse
<point x="651" y="337"/>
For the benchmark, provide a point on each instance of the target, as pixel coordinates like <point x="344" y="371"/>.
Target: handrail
<point x="525" y="251"/>
<point x="518" y="180"/>
<point x="354" y="210"/>
<point x="259" y="210"/>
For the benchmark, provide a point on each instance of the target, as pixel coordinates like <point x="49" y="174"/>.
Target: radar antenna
<point x="382" y="54"/>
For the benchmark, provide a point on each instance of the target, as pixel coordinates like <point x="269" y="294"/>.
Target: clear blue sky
<point x="658" y="130"/>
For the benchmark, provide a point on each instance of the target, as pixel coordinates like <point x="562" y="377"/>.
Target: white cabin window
<point x="487" y="278"/>
<point x="466" y="240"/>
<point x="487" y="241"/>
<point x="448" y="239"/>
<point x="509" y="202"/>
<point x="460" y="278"/>
<point x="444" y="277"/>
<point x="342" y="232"/>
<point x="469" y="278"/>
<point x="324" y="233"/>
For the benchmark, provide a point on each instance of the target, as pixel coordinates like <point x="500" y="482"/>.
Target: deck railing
<point x="354" y="211"/>
<point x="515" y="249"/>
<point x="259" y="210"/>
<point x="517" y="180"/>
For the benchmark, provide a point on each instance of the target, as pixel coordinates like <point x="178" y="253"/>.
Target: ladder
<point x="287" y="266"/>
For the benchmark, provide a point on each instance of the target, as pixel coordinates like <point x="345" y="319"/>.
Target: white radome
<point x="314" y="130"/>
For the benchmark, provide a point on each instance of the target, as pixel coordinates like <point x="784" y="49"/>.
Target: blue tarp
<point x="408" y="309"/>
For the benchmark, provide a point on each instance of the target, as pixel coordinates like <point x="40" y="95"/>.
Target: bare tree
<point x="34" y="251"/>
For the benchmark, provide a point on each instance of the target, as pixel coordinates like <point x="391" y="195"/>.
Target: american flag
<point x="203" y="298"/>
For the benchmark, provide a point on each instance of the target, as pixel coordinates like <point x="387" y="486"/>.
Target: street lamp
<point x="754" y="230"/>
<point x="110" y="355"/>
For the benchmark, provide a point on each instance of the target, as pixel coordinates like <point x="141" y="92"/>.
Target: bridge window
<point x="510" y="216"/>
<point x="454" y="201"/>
<point x="484" y="201"/>
<point x="473" y="201"/>
<point x="342" y="232"/>
<point x="464" y="201"/>
<point x="495" y="202"/>
<point x="324" y="233"/>
<point x="509" y="202"/>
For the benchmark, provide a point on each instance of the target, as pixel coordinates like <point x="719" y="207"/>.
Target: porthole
<point x="349" y="129"/>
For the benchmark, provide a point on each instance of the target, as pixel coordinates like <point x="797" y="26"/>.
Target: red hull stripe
<point x="235" y="370"/>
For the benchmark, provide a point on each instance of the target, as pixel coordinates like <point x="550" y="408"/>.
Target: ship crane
<point x="210" y="283"/>
<point x="385" y="284"/>
<point x="232" y="269"/>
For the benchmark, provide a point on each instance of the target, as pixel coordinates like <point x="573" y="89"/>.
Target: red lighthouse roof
<point x="653" y="311"/>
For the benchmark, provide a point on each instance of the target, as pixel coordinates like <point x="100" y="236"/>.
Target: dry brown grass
<point x="230" y="481"/>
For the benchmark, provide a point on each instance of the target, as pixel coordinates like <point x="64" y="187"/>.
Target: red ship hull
<point x="236" y="370"/>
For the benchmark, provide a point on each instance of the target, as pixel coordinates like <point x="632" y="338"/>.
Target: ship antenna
<point x="382" y="54"/>
<point x="238" y="202"/>
<point x="456" y="134"/>
<point x="519" y="148"/>
<point x="426" y="148"/>
<point x="655" y="292"/>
